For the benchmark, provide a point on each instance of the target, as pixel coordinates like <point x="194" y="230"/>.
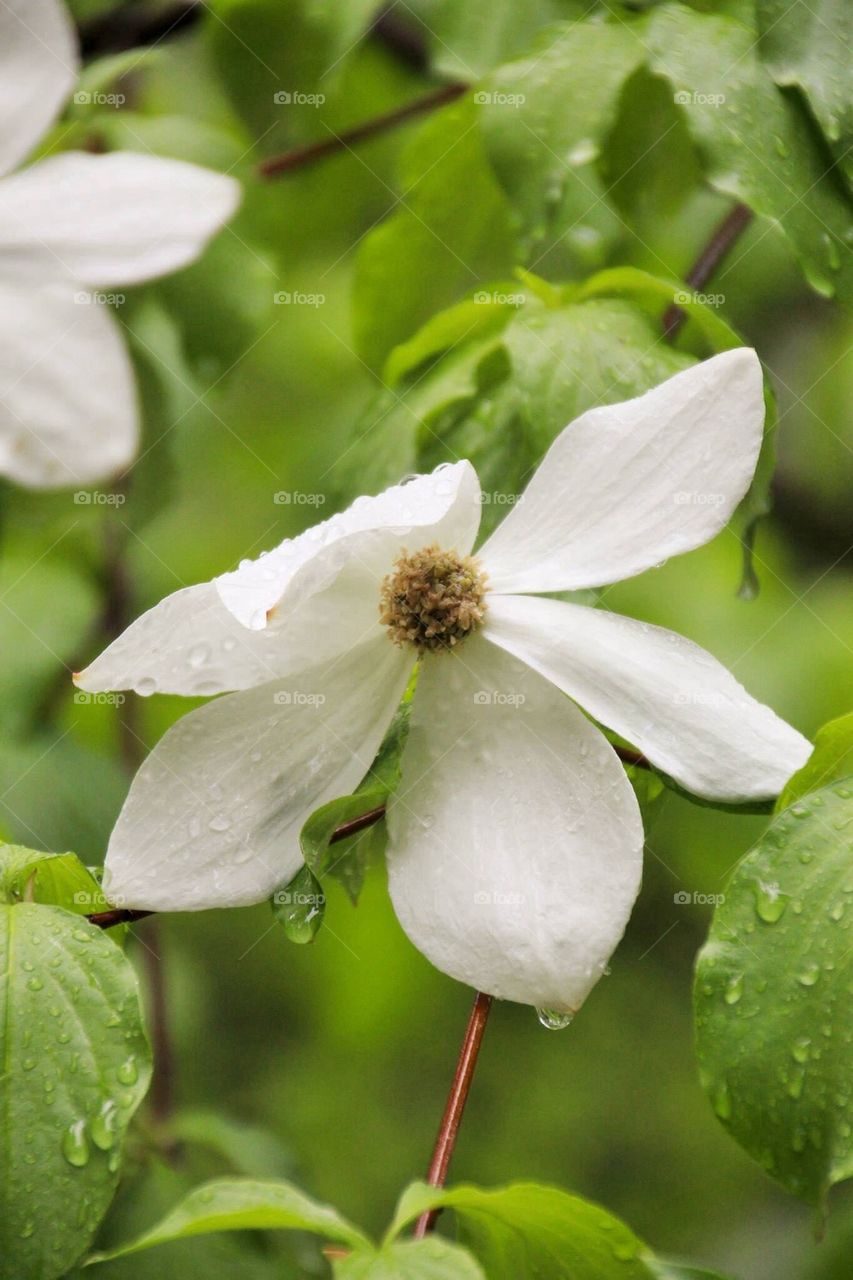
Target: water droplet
<point x="800" y="1049"/>
<point x="795" y="1084"/>
<point x="75" y="1144"/>
<point x="782" y="148"/>
<point x="35" y="984"/>
<point x="554" y="1019"/>
<point x="219" y="823"/>
<point x="145" y="686"/>
<point x="734" y="989"/>
<point x="198" y="656"/>
<point x="770" y="903"/>
<point x="723" y="1101"/>
<point x="104" y="1126"/>
<point x="809" y="975"/>
<point x="128" y="1072"/>
<point x="837" y="911"/>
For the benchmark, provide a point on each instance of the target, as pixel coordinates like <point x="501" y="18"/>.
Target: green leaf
<point x="429" y="1259"/>
<point x="545" y="120"/>
<point x="527" y="1231"/>
<point x="56" y="879"/>
<point x="300" y="906"/>
<point x="831" y="760"/>
<point x="248" y="1149"/>
<point x="467" y="40"/>
<point x="484" y="314"/>
<point x="774" y="997"/>
<point x="347" y="859"/>
<point x="76" y="1066"/>
<point x="240" y="1204"/>
<point x="425" y="256"/>
<point x="756" y="144"/>
<point x="808" y="45"/>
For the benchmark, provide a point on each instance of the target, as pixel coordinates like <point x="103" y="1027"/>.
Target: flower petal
<point x="38" y="55"/>
<point x="67" y="396"/>
<point x="515" y="847"/>
<point x="663" y="693"/>
<point x="627" y="485"/>
<point x="365" y="539"/>
<point x="190" y="644"/>
<point x="113" y="219"/>
<point x="214" y="814"/>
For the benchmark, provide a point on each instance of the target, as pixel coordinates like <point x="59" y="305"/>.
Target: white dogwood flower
<point x="515" y="838"/>
<point x="71" y="226"/>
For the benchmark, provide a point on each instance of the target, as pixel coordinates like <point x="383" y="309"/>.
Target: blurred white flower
<point x="515" y="839"/>
<point x="70" y="226"/>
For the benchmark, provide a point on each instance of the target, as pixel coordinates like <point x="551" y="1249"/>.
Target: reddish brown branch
<point x="722" y="240"/>
<point x="308" y="154"/>
<point x="458" y="1096"/>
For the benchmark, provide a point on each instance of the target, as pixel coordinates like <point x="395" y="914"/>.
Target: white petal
<point x="214" y="814"/>
<point x="188" y="643"/>
<point x="112" y="219"/>
<point x="443" y="507"/>
<point x="515" y="847"/>
<point x="627" y="485"/>
<point x="38" y="67"/>
<point x="67" y="396"/>
<point x="663" y="693"/>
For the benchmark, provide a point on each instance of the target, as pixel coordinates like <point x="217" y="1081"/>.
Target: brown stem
<point x="456" y="1099"/>
<point x="722" y="240"/>
<point x="308" y="154"/>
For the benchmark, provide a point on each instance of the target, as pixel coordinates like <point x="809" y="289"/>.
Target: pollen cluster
<point x="433" y="599"/>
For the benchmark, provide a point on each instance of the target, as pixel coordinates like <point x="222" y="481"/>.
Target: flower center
<point x="433" y="599"/>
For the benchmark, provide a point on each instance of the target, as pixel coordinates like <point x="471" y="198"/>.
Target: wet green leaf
<point x="774" y="997"/>
<point x="77" y="1065"/>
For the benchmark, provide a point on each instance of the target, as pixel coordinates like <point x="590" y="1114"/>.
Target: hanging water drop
<point x="554" y="1019"/>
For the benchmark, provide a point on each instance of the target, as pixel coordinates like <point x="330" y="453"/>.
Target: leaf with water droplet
<point x="59" y="1049"/>
<point x="762" y="996"/>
